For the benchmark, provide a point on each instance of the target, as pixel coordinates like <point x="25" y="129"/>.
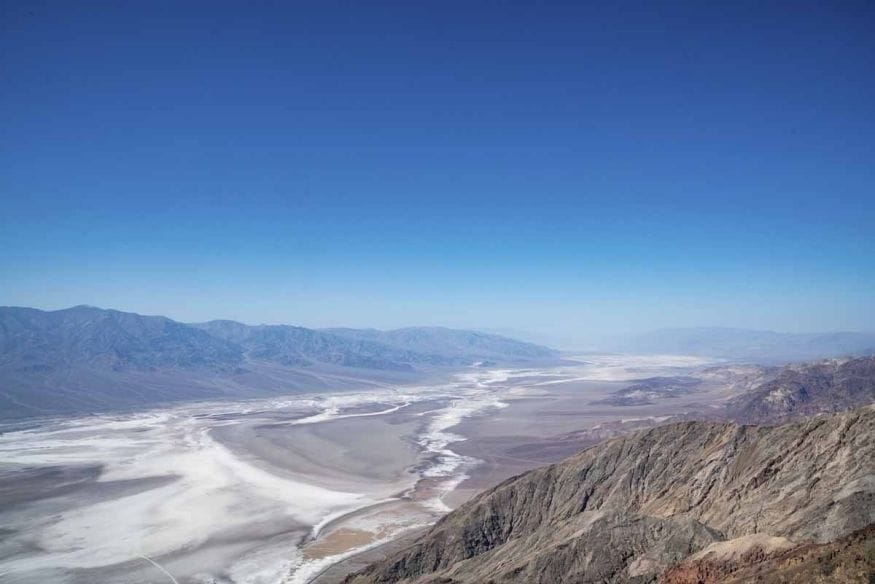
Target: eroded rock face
<point x="628" y="509"/>
<point x="803" y="390"/>
<point x="850" y="559"/>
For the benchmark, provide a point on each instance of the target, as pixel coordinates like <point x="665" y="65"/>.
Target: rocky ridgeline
<point x="806" y="389"/>
<point x="629" y="509"/>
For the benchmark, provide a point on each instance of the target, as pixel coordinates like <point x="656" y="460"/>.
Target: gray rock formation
<point x="764" y="395"/>
<point x="799" y="391"/>
<point x="628" y="509"/>
<point x="848" y="560"/>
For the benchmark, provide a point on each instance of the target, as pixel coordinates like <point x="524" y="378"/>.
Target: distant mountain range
<point x="86" y="358"/>
<point x="748" y="345"/>
<point x="458" y="345"/>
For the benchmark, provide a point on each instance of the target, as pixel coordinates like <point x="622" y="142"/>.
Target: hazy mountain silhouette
<point x="748" y="345"/>
<point x="86" y="358"/>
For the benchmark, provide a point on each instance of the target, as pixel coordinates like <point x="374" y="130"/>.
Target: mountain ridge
<point x="453" y="343"/>
<point x="628" y="509"/>
<point x="800" y="390"/>
<point x="86" y="358"/>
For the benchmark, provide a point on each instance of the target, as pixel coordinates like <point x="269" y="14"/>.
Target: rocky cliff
<point x="630" y="508"/>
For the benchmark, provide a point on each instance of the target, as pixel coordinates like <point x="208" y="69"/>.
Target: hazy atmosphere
<point x="437" y="292"/>
<point x="567" y="170"/>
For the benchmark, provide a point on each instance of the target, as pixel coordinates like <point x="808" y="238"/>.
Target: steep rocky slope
<point x="628" y="509"/>
<point x="850" y="559"/>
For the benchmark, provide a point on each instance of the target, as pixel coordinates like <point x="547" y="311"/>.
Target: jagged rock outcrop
<point x="850" y="559"/>
<point x="628" y="509"/>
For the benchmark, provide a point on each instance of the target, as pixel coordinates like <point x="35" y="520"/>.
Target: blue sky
<point x="561" y="168"/>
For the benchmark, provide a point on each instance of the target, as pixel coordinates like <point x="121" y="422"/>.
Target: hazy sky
<point x="577" y="170"/>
